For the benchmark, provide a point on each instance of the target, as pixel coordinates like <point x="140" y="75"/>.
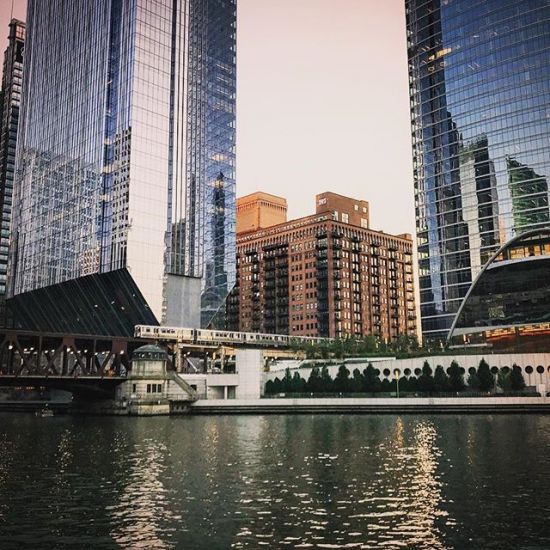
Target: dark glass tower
<point x="128" y="118"/>
<point x="479" y="74"/>
<point x="10" y="99"/>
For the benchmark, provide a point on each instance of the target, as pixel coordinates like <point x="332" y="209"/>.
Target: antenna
<point x="11" y="14"/>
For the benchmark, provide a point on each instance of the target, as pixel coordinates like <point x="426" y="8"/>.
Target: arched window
<point x="408" y="371"/>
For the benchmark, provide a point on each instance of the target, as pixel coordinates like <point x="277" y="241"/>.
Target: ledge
<point x="420" y="405"/>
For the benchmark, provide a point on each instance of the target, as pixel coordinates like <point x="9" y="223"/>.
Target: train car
<point x="220" y="337"/>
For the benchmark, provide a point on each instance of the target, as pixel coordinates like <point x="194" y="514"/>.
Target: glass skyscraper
<point x="479" y="77"/>
<point x="10" y="100"/>
<point x="125" y="185"/>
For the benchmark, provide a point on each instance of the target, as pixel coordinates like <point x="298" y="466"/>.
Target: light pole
<point x="396" y="373"/>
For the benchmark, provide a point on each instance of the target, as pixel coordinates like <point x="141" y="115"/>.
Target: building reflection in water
<point x="142" y="511"/>
<point x="322" y="481"/>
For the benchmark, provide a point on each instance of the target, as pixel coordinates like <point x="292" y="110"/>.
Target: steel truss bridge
<point x="94" y="365"/>
<point x="81" y="364"/>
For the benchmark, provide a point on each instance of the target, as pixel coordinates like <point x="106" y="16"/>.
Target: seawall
<point x="419" y="405"/>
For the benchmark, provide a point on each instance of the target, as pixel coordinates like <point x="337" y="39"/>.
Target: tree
<point x="349" y="346"/>
<point x="297" y="384"/>
<point x="517" y="382"/>
<point x="326" y="380"/>
<point x="314" y="382"/>
<point x="325" y="350"/>
<point x="456" y="378"/>
<point x="473" y="380"/>
<point x="341" y="382"/>
<point x="503" y="380"/>
<point x="337" y="348"/>
<point x="370" y="343"/>
<point x="269" y="387"/>
<point x="357" y="381"/>
<point x="386" y="386"/>
<point x="287" y="381"/>
<point x="441" y="380"/>
<point x="426" y="380"/>
<point x="485" y="376"/>
<point x="371" y="380"/>
<point x="277" y="386"/>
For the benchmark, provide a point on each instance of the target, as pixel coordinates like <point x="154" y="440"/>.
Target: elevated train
<point x="214" y="337"/>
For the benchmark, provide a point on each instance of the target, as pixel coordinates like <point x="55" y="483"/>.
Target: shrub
<point x="456" y="377"/>
<point x="517" y="381"/>
<point x="441" y="380"/>
<point x="485" y="376"/>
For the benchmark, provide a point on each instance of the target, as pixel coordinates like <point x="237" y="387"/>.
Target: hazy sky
<point x="322" y="103"/>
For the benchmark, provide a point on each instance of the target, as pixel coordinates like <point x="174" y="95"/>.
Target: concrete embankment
<point x="427" y="405"/>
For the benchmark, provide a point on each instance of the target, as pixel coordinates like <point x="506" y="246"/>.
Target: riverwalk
<point x="416" y="405"/>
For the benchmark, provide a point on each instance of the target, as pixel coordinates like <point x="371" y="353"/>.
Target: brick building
<point x="260" y="210"/>
<point x="327" y="274"/>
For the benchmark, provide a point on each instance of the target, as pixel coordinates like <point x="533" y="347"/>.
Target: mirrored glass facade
<point x="126" y="157"/>
<point x="509" y="302"/>
<point x="479" y="75"/>
<point x="10" y="100"/>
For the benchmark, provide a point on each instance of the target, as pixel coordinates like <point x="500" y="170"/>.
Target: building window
<point x="364" y="223"/>
<point x="345" y="217"/>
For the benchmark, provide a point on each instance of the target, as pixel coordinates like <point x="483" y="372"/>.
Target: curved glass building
<point x="124" y="195"/>
<point x="508" y="304"/>
<point x="479" y="74"/>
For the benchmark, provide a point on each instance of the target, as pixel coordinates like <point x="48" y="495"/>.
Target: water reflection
<point x="274" y="482"/>
<point x="143" y="500"/>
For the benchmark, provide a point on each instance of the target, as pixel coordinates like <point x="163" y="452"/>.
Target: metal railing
<point x="356" y="395"/>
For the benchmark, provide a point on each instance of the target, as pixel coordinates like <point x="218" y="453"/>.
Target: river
<point x="296" y="481"/>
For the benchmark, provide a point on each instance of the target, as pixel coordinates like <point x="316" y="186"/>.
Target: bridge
<point x="93" y="366"/>
<point x="85" y="365"/>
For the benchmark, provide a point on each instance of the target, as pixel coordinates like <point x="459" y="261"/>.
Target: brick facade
<point x="319" y="276"/>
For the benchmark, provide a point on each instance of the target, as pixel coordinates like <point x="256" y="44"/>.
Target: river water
<point x="297" y="481"/>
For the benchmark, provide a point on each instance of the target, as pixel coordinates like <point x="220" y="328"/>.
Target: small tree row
<point x="426" y="382"/>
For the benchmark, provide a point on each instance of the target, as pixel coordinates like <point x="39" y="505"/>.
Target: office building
<point x="125" y="186"/>
<point x="10" y="99"/>
<point x="479" y="74"/>
<point x="327" y="274"/>
<point x="507" y="308"/>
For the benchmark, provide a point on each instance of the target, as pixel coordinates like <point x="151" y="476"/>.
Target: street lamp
<point x="396" y="373"/>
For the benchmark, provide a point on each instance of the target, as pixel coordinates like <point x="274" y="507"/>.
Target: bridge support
<point x="32" y="354"/>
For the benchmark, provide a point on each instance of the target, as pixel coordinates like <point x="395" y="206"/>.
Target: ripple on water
<point x="275" y="482"/>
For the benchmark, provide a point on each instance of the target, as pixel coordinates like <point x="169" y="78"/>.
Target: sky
<point x="322" y="103"/>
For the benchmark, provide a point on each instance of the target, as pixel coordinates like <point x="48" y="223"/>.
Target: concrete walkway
<point x="425" y="405"/>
